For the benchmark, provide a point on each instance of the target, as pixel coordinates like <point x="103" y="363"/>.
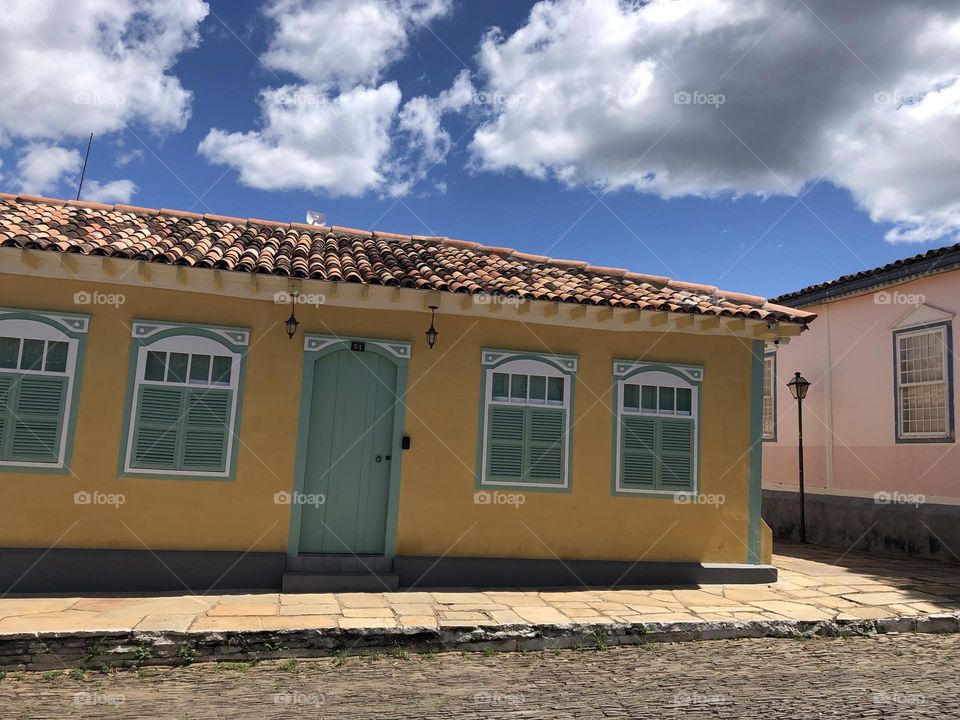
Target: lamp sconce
<point x="292" y="322"/>
<point x="431" y="332"/>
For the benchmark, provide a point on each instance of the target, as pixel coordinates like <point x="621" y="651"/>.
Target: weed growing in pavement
<point x="238" y="666"/>
<point x="52" y="675"/>
<point x="185" y="653"/>
<point x="3" y="676"/>
<point x="400" y="654"/>
<point x="339" y="659"/>
<point x="94" y="649"/>
<point x="288" y="665"/>
<point x="600" y="639"/>
<point x="141" y="653"/>
<point x="273" y="647"/>
<point x="78" y="673"/>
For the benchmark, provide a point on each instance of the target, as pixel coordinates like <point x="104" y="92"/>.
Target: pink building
<point x="882" y="468"/>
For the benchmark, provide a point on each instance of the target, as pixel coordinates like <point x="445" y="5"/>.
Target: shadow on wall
<point x="852" y="523"/>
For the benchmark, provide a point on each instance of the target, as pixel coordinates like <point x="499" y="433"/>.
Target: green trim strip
<point x="756" y="453"/>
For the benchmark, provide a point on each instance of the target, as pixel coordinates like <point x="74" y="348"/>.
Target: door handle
<point x="378" y="458"/>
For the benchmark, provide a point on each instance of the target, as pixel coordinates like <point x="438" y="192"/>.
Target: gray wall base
<point x="517" y="572"/>
<point x="36" y="570"/>
<point x="853" y="523"/>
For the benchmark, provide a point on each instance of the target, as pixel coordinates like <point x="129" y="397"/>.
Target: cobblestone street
<point x="904" y="676"/>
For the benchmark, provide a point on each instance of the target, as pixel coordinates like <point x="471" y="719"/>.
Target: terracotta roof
<point x="348" y="255"/>
<point x="932" y="261"/>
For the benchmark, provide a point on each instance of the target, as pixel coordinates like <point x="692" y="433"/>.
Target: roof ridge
<point x="622" y="274"/>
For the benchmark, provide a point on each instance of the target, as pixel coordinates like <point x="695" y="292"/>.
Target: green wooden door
<point x="349" y="453"/>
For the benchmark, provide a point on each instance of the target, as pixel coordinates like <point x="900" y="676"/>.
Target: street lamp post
<point x="798" y="388"/>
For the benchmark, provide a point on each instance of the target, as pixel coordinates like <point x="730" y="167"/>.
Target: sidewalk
<point x="816" y="585"/>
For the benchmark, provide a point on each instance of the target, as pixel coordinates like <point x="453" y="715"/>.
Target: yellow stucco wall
<point x="437" y="513"/>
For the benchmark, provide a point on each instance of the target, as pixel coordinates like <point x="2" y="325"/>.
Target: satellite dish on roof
<point x="316" y="218"/>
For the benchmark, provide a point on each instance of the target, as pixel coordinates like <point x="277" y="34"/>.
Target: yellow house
<point x="203" y="402"/>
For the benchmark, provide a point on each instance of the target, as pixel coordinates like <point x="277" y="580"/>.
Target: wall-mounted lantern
<point x="292" y="322"/>
<point x="432" y="331"/>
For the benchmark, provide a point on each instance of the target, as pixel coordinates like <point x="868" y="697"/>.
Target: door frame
<point x="316" y="347"/>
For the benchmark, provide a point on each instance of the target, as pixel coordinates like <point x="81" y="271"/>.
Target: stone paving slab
<point x="820" y="591"/>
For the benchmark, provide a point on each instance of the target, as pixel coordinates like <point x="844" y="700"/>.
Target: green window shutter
<point x="505" y="433"/>
<point x="6" y="419"/>
<point x="544" y="449"/>
<point x="157" y="427"/>
<point x="37" y="416"/>
<point x="676" y="454"/>
<point x="207" y="431"/>
<point x="638" y="456"/>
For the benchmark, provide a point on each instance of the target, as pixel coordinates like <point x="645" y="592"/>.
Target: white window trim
<point x="637" y="374"/>
<point x="36" y="330"/>
<point x="899" y="335"/>
<point x="191" y="344"/>
<point x="528" y="366"/>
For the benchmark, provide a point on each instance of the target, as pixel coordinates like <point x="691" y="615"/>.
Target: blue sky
<point x="735" y="220"/>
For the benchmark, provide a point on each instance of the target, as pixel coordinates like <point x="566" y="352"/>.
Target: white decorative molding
<point x="144" y="330"/>
<point x="622" y="368"/>
<point x="922" y="314"/>
<point x="68" y="322"/>
<point x="491" y="358"/>
<point x="315" y="343"/>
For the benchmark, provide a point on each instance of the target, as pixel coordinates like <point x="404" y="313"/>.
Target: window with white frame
<point x="656" y="427"/>
<point x="39" y="353"/>
<point x="769" y="397"/>
<point x="924" y="395"/>
<point x="525" y="419"/>
<point x="184" y="398"/>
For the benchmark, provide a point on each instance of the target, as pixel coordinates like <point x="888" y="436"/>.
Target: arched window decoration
<point x="185" y="391"/>
<point x="39" y="356"/>
<point x="657" y="427"/>
<point x="525" y="428"/>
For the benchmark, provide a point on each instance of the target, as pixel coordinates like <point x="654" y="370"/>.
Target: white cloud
<point x="427" y="142"/>
<point x="345" y="42"/>
<point x="114" y="191"/>
<point x="71" y="68"/>
<point x="333" y="131"/>
<point x="311" y="140"/>
<point x="676" y="97"/>
<point x="42" y="168"/>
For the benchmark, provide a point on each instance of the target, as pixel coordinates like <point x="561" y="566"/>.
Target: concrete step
<point x="340" y="564"/>
<point x="319" y="582"/>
